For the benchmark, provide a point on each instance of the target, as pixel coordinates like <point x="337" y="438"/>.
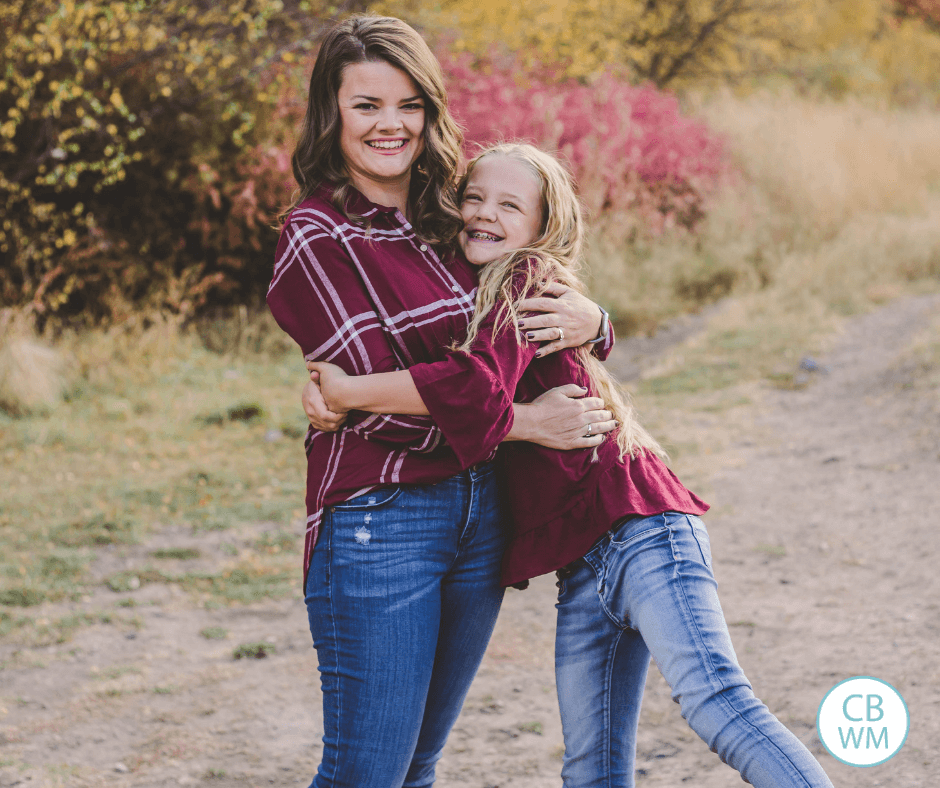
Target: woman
<point x="636" y="577"/>
<point x="403" y="548"/>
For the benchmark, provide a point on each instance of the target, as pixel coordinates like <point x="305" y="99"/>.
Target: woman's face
<point x="501" y="209"/>
<point x="382" y="115"/>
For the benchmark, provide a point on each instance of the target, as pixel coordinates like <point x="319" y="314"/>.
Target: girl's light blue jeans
<point x="647" y="588"/>
<point x="402" y="596"/>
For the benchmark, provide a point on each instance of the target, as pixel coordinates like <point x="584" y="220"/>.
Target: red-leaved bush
<point x="190" y="229"/>
<point x="630" y="148"/>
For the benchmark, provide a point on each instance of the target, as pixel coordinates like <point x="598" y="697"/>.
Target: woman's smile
<point x="382" y="116"/>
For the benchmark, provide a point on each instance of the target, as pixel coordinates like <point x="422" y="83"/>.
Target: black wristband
<point x="604" y="329"/>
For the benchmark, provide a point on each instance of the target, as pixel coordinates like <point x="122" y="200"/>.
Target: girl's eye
<point x="511" y="205"/>
<point x="364" y="105"/>
<point x="470" y="198"/>
<point x="413" y="107"/>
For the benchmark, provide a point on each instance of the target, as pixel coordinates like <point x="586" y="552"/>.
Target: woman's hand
<point x="563" y="418"/>
<point x="568" y="320"/>
<point x="331" y="379"/>
<point x="318" y="413"/>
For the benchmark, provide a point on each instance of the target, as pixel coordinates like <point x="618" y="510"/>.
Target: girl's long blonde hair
<point x="553" y="256"/>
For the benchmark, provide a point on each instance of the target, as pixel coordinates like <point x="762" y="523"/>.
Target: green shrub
<point x="131" y="137"/>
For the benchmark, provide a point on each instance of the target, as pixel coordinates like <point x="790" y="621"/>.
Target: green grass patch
<point x="693" y="378"/>
<point x="179" y="553"/>
<point x="214" y="633"/>
<point x="21" y="596"/>
<point x="116" y="671"/>
<point x="95" y="532"/>
<point x="276" y="542"/>
<point x="132" y="579"/>
<point x="245" y="583"/>
<point x="45" y="632"/>
<point x="775" y="550"/>
<point x="531" y="727"/>
<point x="11" y="623"/>
<point x="259" y="650"/>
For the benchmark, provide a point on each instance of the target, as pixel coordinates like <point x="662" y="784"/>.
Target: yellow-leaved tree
<point x="883" y="45"/>
<point x="664" y="42"/>
<point x="113" y="116"/>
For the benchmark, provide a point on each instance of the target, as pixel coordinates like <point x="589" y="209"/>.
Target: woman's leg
<point x="655" y="577"/>
<point x="470" y="600"/>
<point x="375" y="598"/>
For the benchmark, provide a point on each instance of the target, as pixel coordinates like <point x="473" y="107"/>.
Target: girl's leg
<point x="374" y="597"/>
<point x="470" y="600"/>
<point x="600" y="672"/>
<point x="655" y="576"/>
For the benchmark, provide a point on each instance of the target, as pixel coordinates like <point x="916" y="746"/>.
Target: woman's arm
<point x="469" y="396"/>
<point x="558" y="419"/>
<point x="566" y="319"/>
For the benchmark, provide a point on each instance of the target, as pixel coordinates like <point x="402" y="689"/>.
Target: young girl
<point x="632" y="556"/>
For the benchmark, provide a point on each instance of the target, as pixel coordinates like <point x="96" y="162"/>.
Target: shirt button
<point x="423" y="247"/>
<point x="456" y="288"/>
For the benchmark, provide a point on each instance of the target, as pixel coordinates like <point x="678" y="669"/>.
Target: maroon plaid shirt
<point x="374" y="299"/>
<point x="561" y="502"/>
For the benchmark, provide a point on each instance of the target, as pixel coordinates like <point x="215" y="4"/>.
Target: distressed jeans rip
<point x="363" y="535"/>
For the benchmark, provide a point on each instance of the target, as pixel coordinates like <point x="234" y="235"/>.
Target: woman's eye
<point x="413" y="107"/>
<point x="364" y="105"/>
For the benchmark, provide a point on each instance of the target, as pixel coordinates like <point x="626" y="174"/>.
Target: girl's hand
<point x="563" y="418"/>
<point x="568" y="320"/>
<point x="331" y="379"/>
<point x="318" y="414"/>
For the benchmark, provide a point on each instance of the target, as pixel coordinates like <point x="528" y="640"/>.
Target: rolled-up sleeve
<point x="470" y="396"/>
<point x="317" y="296"/>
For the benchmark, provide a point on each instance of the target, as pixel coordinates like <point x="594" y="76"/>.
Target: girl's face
<point x="501" y="209"/>
<point x="382" y="115"/>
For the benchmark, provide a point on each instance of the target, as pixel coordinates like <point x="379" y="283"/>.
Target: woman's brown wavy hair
<point x="317" y="159"/>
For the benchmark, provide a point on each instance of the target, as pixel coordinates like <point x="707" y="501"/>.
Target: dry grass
<point x="823" y="164"/>
<point x="31" y="372"/>
<point x="836" y="206"/>
<point x="154" y="432"/>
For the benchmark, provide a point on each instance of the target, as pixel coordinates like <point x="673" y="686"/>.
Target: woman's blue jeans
<point x="647" y="588"/>
<point x="402" y="596"/>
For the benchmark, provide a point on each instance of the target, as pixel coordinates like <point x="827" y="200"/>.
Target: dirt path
<point x="825" y="551"/>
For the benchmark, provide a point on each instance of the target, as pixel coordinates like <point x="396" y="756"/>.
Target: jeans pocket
<point x="370" y="501"/>
<point x="635" y="528"/>
<point x="701" y="539"/>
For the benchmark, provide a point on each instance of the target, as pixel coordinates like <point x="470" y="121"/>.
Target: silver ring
<point x="561" y="335"/>
<point x="590" y="431"/>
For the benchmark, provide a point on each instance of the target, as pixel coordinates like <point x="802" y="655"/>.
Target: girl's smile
<point x="501" y="209"/>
